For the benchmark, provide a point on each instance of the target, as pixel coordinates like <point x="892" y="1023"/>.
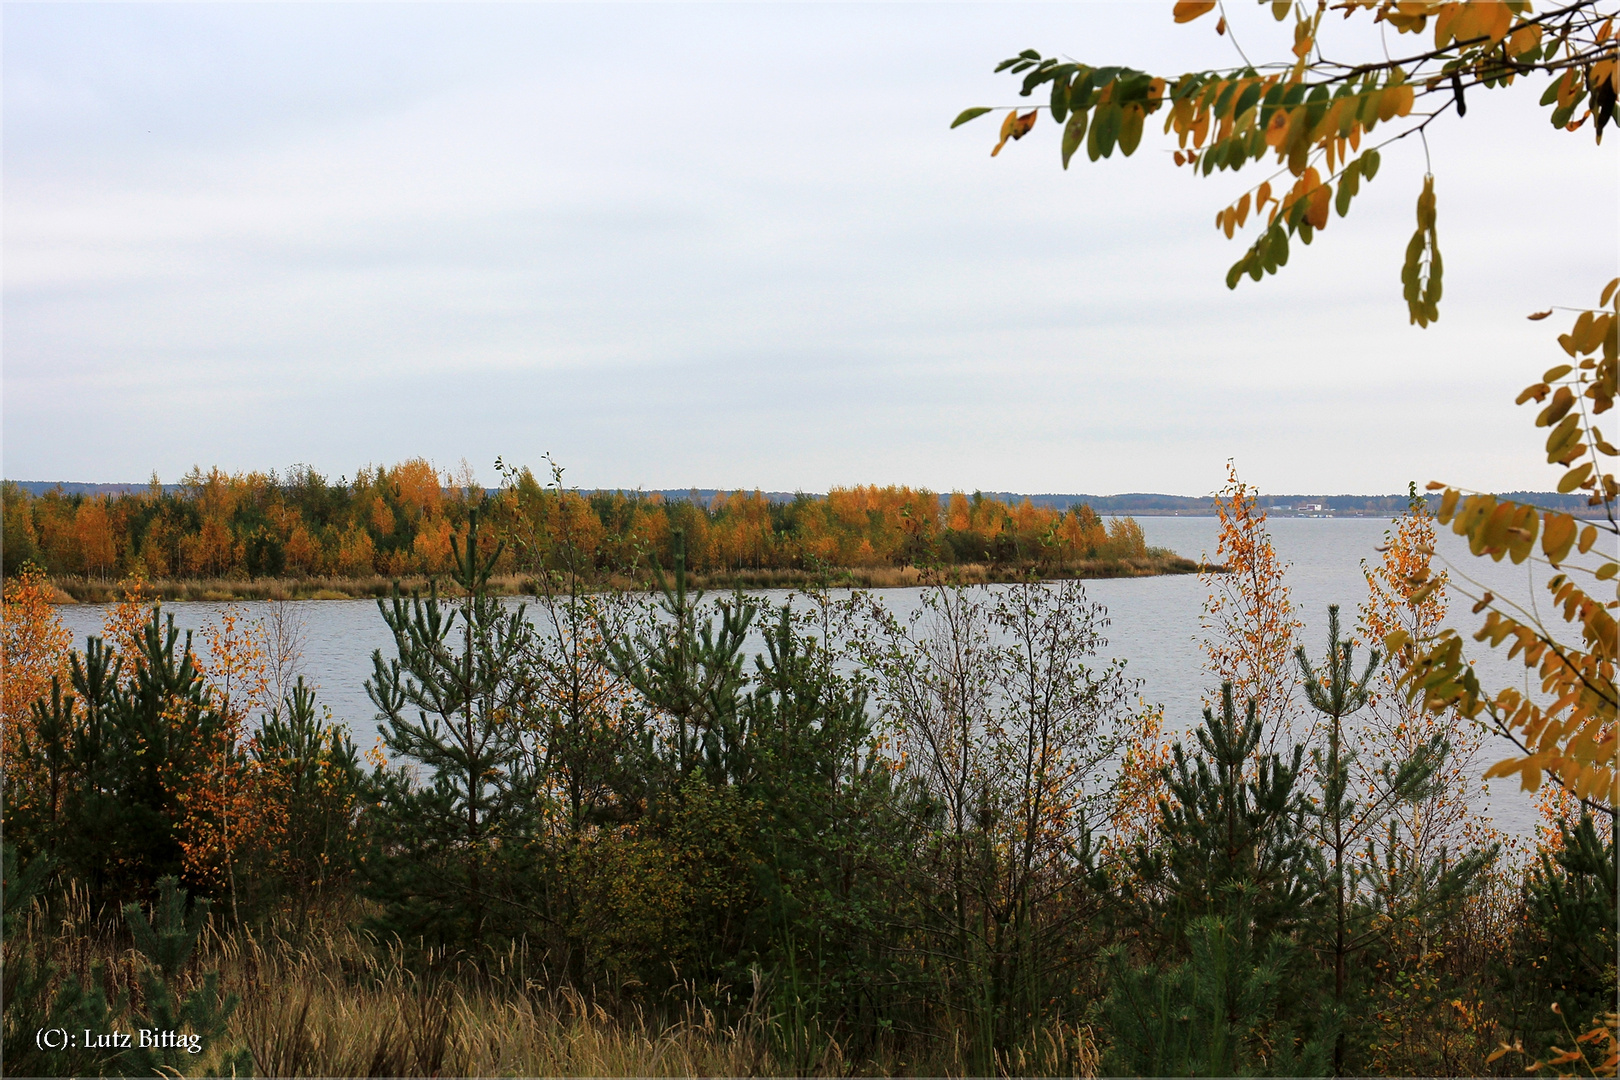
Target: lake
<point x="1154" y="623"/>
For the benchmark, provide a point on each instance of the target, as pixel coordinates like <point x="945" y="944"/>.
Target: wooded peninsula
<point x="301" y="534"/>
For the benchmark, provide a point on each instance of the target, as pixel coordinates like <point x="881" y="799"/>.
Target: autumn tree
<point x="1004" y="719"/>
<point x="1407" y="592"/>
<point x="34" y="649"/>
<point x="1249" y="615"/>
<point x="223" y="804"/>
<point x="1306" y="115"/>
<point x="1309" y="115"/>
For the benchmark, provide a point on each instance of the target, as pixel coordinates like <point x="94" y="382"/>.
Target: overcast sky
<point x="731" y="246"/>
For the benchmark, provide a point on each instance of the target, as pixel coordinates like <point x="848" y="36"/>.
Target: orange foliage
<point x="211" y="552"/>
<point x="156" y="546"/>
<point x="357" y="553"/>
<point x="34" y="647"/>
<point x="124" y="624"/>
<point x="419" y="488"/>
<point x="1406" y="594"/>
<point x="302" y="553"/>
<point x="94" y="534"/>
<point x="432" y="546"/>
<point x="1249" y="614"/>
<point x="1134" y="816"/>
<point x="223" y="804"/>
<point x="382" y="518"/>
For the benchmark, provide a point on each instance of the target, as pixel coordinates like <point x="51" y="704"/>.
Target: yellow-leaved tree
<point x="1568" y="731"/>
<point x="1315" y="125"/>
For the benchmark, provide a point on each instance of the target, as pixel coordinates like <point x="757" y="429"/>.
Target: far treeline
<point x="398" y="522"/>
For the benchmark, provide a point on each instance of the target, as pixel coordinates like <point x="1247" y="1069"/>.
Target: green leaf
<point x="1422" y="290"/>
<point x="1349" y="184"/>
<point x="1247" y="99"/>
<point x="1130" y="128"/>
<point x="1074" y="133"/>
<point x="1060" y="92"/>
<point x="968" y="114"/>
<point x="1105" y="124"/>
<point x="1042" y="72"/>
<point x="1369" y="164"/>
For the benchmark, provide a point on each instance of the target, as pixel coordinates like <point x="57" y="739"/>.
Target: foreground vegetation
<point x="605" y="843"/>
<point x="602" y="839"/>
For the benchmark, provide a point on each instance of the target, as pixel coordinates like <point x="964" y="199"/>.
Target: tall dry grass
<point x="219" y="590"/>
<point x="320" y="999"/>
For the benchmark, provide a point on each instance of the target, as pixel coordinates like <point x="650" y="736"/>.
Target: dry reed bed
<point x="325" y="1001"/>
<point x="216" y="590"/>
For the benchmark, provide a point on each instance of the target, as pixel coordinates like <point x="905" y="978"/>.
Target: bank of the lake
<point x="1154" y="622"/>
<point x="221" y="590"/>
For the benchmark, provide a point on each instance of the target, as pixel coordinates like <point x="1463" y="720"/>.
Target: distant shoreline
<point x="1134" y="504"/>
<point x="78" y="590"/>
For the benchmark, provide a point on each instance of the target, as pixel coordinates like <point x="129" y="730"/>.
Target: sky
<point x="733" y="246"/>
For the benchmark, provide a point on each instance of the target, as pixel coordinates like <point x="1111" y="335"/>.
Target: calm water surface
<point x="1154" y="622"/>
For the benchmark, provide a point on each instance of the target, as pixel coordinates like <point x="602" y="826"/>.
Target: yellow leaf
<point x="1574" y="478"/>
<point x="1321" y="201"/>
<point x="1524" y="39"/>
<point x="1448" y="504"/>
<point x="1557" y="536"/>
<point x="1582" y="334"/>
<point x="1596" y="330"/>
<point x="1015" y="127"/>
<point x="1188" y="10"/>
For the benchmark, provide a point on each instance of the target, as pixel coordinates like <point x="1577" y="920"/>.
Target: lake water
<point x="1154" y="623"/>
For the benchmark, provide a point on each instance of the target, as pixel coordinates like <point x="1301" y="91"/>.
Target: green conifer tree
<point x="1348" y="815"/>
<point x="1230" y="879"/>
<point x="111" y="750"/>
<point x="691" y="672"/>
<point x="36" y="996"/>
<point x="456" y="806"/>
<point x="1564" y="953"/>
<point x="167" y="941"/>
<point x="318" y="769"/>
